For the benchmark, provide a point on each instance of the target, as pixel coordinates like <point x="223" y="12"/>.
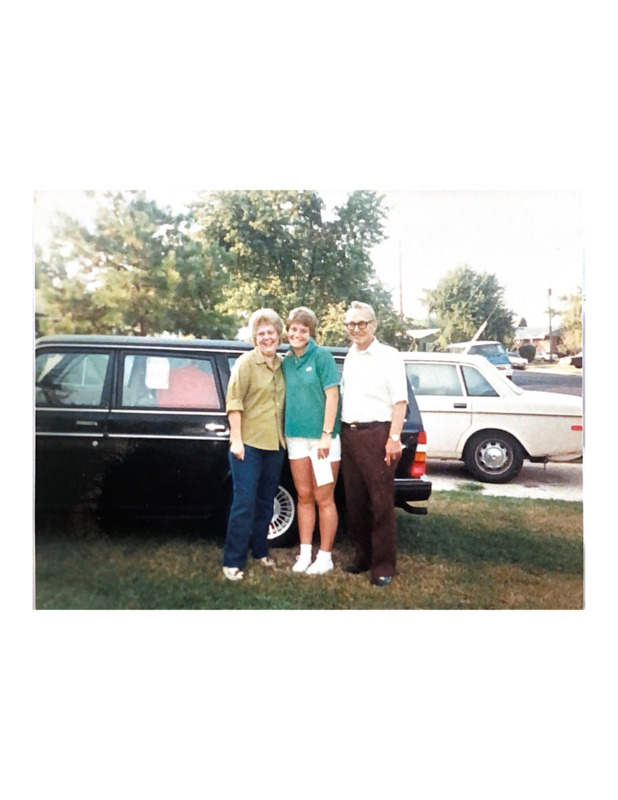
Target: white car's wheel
<point x="493" y="457"/>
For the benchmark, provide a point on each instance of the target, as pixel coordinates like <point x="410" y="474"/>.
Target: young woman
<point x="312" y="425"/>
<point x="254" y="404"/>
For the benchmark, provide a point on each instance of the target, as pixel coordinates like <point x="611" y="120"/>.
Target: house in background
<point x="539" y="338"/>
<point x="424" y="338"/>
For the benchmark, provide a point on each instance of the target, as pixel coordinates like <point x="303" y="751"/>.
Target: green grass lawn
<point x="470" y="552"/>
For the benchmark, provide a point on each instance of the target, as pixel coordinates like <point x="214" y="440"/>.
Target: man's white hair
<point x="362" y="307"/>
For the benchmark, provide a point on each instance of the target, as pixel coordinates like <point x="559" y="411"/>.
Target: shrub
<point x="528" y="351"/>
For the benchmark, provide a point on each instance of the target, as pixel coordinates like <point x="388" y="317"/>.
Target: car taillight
<point x="577" y="427"/>
<point x="417" y="470"/>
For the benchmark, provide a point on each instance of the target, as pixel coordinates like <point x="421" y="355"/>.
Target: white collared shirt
<point x="373" y="381"/>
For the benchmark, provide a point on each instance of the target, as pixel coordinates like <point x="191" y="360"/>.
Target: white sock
<point x="324" y="557"/>
<point x="305" y="552"/>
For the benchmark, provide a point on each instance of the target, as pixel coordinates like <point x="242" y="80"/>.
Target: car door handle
<point x="89" y="422"/>
<point x="460" y="405"/>
<point x="212" y="426"/>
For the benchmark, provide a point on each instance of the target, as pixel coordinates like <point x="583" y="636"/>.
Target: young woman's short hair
<point x="303" y="316"/>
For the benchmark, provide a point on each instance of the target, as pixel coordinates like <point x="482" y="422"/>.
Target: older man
<point x="375" y="395"/>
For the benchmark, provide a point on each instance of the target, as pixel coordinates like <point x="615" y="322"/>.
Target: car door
<point x="72" y="397"/>
<point x="168" y="415"/>
<point x="443" y="403"/>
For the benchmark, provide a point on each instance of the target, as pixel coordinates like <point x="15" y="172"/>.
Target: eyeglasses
<point x="360" y="325"/>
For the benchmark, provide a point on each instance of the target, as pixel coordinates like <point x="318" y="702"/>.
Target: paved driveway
<point x="553" y="481"/>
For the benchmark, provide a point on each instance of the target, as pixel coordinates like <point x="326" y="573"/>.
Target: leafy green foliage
<point x="571" y="318"/>
<point x="136" y="271"/>
<point x="286" y="253"/>
<point x="528" y="351"/>
<point x="141" y="269"/>
<point x="463" y="300"/>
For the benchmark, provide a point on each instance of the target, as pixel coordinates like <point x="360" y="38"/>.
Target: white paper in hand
<point x="321" y="468"/>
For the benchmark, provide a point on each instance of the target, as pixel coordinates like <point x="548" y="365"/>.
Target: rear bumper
<point x="412" y="490"/>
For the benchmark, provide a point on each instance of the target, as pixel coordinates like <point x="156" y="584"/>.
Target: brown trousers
<point x="369" y="486"/>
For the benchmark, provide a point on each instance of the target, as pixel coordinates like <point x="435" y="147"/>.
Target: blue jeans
<point x="255" y="481"/>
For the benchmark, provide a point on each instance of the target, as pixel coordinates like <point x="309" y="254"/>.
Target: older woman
<point x="312" y="424"/>
<point x="254" y="405"/>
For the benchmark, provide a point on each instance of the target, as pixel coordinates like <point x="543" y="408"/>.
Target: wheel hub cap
<point x="493" y="456"/>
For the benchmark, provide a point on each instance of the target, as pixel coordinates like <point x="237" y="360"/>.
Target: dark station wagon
<point x="136" y="426"/>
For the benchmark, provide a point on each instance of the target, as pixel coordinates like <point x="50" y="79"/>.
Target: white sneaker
<point x="267" y="561"/>
<point x="301" y="564"/>
<point x="233" y="573"/>
<point x="319" y="567"/>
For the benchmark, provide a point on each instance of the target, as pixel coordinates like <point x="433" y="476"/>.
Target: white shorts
<point x="301" y="448"/>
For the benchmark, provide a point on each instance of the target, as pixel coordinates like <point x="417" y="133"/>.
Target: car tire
<point x="283" y="531"/>
<point x="493" y="456"/>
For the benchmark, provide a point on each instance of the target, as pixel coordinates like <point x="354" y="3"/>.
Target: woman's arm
<point x="330" y="414"/>
<point x="237" y="447"/>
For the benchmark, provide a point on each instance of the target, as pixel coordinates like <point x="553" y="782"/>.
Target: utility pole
<point x="400" y="284"/>
<point x="551" y="341"/>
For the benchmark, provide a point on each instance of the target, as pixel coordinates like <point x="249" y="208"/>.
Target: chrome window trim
<point x="84" y="435"/>
<point x="159" y="411"/>
<point x="140" y="347"/>
<point x="205" y="438"/>
<point x="73" y="409"/>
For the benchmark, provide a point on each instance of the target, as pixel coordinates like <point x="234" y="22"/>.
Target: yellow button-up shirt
<point x="258" y="392"/>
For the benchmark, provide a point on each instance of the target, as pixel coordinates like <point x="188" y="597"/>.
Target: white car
<point x="517" y="362"/>
<point x="471" y="412"/>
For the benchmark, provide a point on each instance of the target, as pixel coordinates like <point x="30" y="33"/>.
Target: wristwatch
<point x="395" y="437"/>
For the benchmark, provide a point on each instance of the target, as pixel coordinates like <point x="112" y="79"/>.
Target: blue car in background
<point x="494" y="352"/>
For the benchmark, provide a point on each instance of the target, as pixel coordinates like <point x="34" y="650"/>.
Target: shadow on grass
<point x="454" y="539"/>
<point x="130" y="533"/>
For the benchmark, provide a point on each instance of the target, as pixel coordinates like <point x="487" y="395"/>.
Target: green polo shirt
<point x="306" y="378"/>
<point x="258" y="392"/>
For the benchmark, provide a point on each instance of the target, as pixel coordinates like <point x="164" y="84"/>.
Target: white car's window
<point x="436" y="379"/>
<point x="169" y="382"/>
<point x="70" y="379"/>
<point x="476" y="383"/>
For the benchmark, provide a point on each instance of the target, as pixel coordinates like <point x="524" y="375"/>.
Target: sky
<point x="531" y="240"/>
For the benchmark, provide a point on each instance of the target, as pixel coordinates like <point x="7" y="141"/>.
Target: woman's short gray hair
<point x="265" y="316"/>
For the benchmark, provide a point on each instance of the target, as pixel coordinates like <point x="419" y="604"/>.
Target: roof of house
<point x="536" y="333"/>
<point x="423" y="333"/>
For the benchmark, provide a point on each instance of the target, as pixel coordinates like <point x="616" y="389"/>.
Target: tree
<point x="136" y="271"/>
<point x="463" y="300"/>
<point x="285" y="252"/>
<point x="571" y="318"/>
<point x="140" y="269"/>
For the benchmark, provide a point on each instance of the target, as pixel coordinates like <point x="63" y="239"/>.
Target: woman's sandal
<point x="233" y="573"/>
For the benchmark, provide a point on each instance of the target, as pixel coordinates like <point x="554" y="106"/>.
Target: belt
<point x="363" y="426"/>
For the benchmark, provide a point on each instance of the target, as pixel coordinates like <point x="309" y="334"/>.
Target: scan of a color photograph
<point x="308" y="400"/>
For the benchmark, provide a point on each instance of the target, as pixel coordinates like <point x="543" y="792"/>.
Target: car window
<point x="484" y="350"/>
<point x="436" y="379"/>
<point x="152" y="381"/>
<point x="477" y="384"/>
<point x="70" y="378"/>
